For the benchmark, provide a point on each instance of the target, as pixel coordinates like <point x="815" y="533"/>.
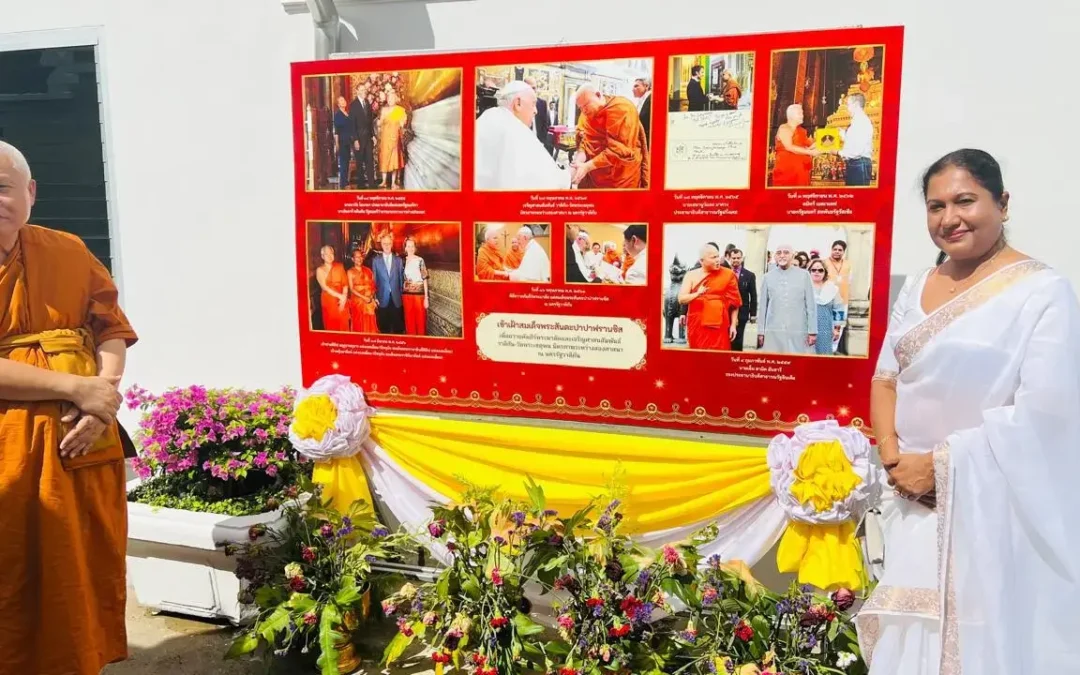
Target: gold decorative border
<point x="605" y="410"/>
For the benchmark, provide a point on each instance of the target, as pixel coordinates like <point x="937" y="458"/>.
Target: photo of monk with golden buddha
<point x="563" y="126"/>
<point x="385" y="278"/>
<point x="384" y="130"/>
<point x="825" y="117"/>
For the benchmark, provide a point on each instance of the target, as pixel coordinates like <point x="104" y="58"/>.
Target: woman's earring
<point x="1005" y="219"/>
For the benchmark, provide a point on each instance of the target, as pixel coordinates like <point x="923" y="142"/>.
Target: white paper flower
<point x="822" y="473"/>
<point x="330" y="419"/>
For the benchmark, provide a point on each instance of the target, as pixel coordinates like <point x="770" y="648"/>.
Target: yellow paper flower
<point x="824" y="475"/>
<point x="314" y="417"/>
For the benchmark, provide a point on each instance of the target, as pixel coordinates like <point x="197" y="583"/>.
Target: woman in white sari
<point x="976" y="406"/>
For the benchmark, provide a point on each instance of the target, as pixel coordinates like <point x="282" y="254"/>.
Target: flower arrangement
<point x="330" y="419"/>
<point x="223" y="451"/>
<point x="735" y="626"/>
<point x="311" y="580"/>
<point x="614" y="592"/>
<point x="476" y="611"/>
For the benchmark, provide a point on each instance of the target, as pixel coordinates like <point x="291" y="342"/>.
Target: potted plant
<point x="214" y="466"/>
<point x="311" y="579"/>
<point x="615" y="595"/>
<point x="735" y="626"/>
<point x="476" y="612"/>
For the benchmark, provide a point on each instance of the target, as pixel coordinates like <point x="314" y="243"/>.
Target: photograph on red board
<point x="789" y="289"/>
<point x="709" y="121"/>
<point x="397" y="130"/>
<point x="583" y="125"/>
<point x="825" y="117"/>
<point x="513" y="252"/>
<point x="607" y="253"/>
<point x="385" y="278"/>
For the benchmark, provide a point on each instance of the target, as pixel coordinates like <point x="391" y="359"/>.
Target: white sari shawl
<point x="989" y="584"/>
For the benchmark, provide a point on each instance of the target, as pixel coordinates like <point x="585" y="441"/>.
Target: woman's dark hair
<point x="980" y="164"/>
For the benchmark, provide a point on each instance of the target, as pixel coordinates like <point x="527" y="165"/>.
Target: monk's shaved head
<point x="492" y="230"/>
<point x="17" y="195"/>
<point x="12" y="159"/>
<point x="707" y="250"/>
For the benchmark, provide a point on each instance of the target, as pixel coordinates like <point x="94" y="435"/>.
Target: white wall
<point x="199" y="128"/>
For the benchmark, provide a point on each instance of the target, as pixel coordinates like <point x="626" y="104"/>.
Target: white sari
<point x="990" y="383"/>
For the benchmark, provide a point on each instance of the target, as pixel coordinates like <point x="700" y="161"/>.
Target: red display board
<point x="682" y="233"/>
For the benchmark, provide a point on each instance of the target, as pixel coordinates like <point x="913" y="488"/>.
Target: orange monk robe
<point x="64" y="525"/>
<point x="514" y="258"/>
<point x="611" y="257"/>
<point x="628" y="262"/>
<point x="488" y="262"/>
<point x="362" y="309"/>
<point x="615" y="141"/>
<point x="708" y="319"/>
<point x="334" y="316"/>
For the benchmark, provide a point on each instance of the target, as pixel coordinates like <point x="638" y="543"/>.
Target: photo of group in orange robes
<point x="825" y="117"/>
<point x="385" y="278"/>
<point x="581" y="125"/>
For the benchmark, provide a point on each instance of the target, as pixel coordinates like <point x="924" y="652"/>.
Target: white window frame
<point x="85" y="36"/>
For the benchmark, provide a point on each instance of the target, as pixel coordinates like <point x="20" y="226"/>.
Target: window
<point x="50" y="109"/>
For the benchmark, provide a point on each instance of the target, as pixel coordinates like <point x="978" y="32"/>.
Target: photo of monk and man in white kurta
<point x="562" y="126"/>
<point x="779" y="289"/>
<point x="513" y="252"/>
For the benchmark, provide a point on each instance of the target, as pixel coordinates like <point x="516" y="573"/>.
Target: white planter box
<point x="174" y="562"/>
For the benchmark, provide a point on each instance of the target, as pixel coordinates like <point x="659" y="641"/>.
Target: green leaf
<point x="396" y="648"/>
<point x="834" y="630"/>
<point x="471" y="587"/>
<point x="349" y="593"/>
<point x="245" y="644"/>
<point x="557" y="648"/>
<point x="536" y="494"/>
<point x="676" y="588"/>
<point x="328" y="639"/>
<point x="526" y="626"/>
<point x="555" y="563"/>
<point x="442" y="587"/>
<point x="274" y="624"/>
<point x="301" y="603"/>
<point x="268" y="596"/>
<point x="761" y="627"/>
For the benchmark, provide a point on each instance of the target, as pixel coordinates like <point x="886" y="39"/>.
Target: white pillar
<point x="860" y="253"/>
<point x="757" y="247"/>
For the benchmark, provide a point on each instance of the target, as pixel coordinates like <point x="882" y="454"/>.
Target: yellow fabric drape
<point x="826" y="556"/>
<point x="343" y="481"/>
<point x="671" y="483"/>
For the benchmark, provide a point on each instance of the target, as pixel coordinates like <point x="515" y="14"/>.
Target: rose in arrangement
<point x="216" y="450"/>
<point x="311" y="580"/>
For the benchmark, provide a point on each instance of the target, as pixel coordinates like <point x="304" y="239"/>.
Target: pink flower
<point x="566" y="621"/>
<point x="496" y="577"/>
<point x="272" y="470"/>
<point x="671" y="556"/>
<point x="261" y="460"/>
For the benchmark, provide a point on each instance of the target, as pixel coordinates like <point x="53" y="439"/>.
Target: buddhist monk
<point x="333" y="281"/>
<point x="794" y="151"/>
<point x="490" y="265"/>
<point x="516" y="254"/>
<point x="63" y="344"/>
<point x="362" y="296"/>
<point x="711" y="293"/>
<point x="392" y="121"/>
<point x="730" y="90"/>
<point x="613" y="151"/>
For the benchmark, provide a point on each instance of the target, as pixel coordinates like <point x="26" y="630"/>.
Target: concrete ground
<point x="173" y="645"/>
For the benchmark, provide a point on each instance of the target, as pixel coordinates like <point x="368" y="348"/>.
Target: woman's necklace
<point x="974" y="275"/>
